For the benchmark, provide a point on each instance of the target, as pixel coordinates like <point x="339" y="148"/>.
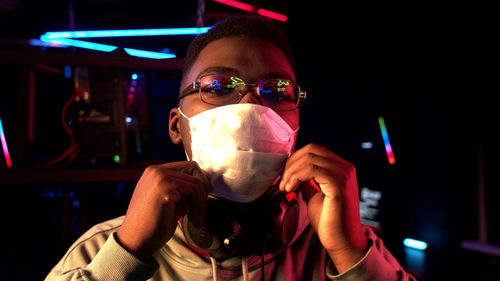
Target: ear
<point x="174" y="126"/>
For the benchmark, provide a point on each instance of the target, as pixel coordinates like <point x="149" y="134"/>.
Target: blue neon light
<point x="63" y="38"/>
<point x="126" y="32"/>
<point x="148" y="54"/>
<point x="107" y="48"/>
<point x="40" y="43"/>
<point x="416" y="244"/>
<point x="80" y="44"/>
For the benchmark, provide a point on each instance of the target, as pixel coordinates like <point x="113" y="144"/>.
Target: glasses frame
<point x="195" y="87"/>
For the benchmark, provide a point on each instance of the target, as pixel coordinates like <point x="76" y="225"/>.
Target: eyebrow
<point x="219" y="69"/>
<point x="279" y="75"/>
<point x="235" y="72"/>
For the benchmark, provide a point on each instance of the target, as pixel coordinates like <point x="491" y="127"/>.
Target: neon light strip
<point x="250" y="8"/>
<point x="125" y="32"/>
<point x="236" y="4"/>
<point x="148" y="54"/>
<point x="107" y="48"/>
<point x="4" y="146"/>
<point x="387" y="143"/>
<point x="80" y="44"/>
<point x="61" y="38"/>
<point x="415" y="244"/>
<point x="272" y="15"/>
<point x="40" y="43"/>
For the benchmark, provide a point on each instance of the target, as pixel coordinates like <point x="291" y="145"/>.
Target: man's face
<point x="249" y="58"/>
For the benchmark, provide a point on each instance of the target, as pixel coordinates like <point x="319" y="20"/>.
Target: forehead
<point x="249" y="58"/>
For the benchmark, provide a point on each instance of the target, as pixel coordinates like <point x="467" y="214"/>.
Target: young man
<point x="224" y="215"/>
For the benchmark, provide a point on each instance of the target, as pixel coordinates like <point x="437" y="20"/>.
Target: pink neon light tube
<point x="4" y="146"/>
<point x="250" y="8"/>
<point x="273" y="15"/>
<point x="236" y="4"/>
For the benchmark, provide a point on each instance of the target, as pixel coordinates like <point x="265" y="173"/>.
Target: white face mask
<point x="242" y="148"/>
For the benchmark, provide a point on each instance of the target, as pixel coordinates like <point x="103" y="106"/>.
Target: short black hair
<point x="250" y="25"/>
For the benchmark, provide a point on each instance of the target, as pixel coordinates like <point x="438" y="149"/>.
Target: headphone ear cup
<point x="201" y="238"/>
<point x="221" y="216"/>
<point x="285" y="221"/>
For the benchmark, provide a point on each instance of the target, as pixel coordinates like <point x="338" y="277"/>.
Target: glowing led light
<point x="367" y="145"/>
<point x="134" y="76"/>
<point x="108" y="48"/>
<point x="415" y="244"/>
<point x="116" y="158"/>
<point x="40" y="43"/>
<point x="126" y="32"/>
<point x="148" y="54"/>
<point x="4" y="146"/>
<point x="272" y="15"/>
<point x="250" y="8"/>
<point x="66" y="38"/>
<point x="387" y="143"/>
<point x="236" y="4"/>
<point x="80" y="44"/>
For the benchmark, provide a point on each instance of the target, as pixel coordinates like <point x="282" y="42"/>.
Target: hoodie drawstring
<point x="244" y="268"/>
<point x="214" y="268"/>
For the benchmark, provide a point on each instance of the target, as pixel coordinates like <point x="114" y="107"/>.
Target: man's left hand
<point x="333" y="208"/>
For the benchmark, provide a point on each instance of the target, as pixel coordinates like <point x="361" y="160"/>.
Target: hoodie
<point x="97" y="255"/>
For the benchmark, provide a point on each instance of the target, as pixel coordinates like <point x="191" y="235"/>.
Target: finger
<point x="198" y="173"/>
<point x="309" y="189"/>
<point x="198" y="201"/>
<point x="195" y="198"/>
<point x="179" y="191"/>
<point x="305" y="167"/>
<point x="323" y="176"/>
<point x="186" y="186"/>
<point x="332" y="182"/>
<point x="312" y="151"/>
<point x="192" y="169"/>
<point x="318" y="150"/>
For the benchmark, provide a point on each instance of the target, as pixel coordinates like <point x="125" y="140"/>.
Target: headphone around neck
<point x="266" y="225"/>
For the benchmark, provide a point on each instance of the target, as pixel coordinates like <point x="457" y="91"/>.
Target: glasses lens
<point x="279" y="94"/>
<point x="220" y="89"/>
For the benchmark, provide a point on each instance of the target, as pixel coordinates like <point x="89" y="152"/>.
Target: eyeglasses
<point x="220" y="89"/>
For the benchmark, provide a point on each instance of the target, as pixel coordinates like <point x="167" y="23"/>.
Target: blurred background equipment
<point x="98" y="123"/>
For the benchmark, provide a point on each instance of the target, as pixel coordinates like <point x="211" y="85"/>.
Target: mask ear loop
<point x="182" y="113"/>
<point x="187" y="118"/>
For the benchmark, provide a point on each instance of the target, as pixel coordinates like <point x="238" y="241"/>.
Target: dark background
<point x="424" y="68"/>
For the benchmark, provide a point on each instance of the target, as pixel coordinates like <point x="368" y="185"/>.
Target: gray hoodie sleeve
<point x="101" y="257"/>
<point x="377" y="264"/>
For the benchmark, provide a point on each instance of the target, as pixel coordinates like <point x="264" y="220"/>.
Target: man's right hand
<point x="163" y="194"/>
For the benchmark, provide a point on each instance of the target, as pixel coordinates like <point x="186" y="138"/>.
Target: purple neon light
<point x="4" y="146"/>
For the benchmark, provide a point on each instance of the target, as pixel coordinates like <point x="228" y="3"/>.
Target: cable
<point x="60" y="157"/>
<point x="73" y="148"/>
<point x="63" y="115"/>
<point x="72" y="154"/>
